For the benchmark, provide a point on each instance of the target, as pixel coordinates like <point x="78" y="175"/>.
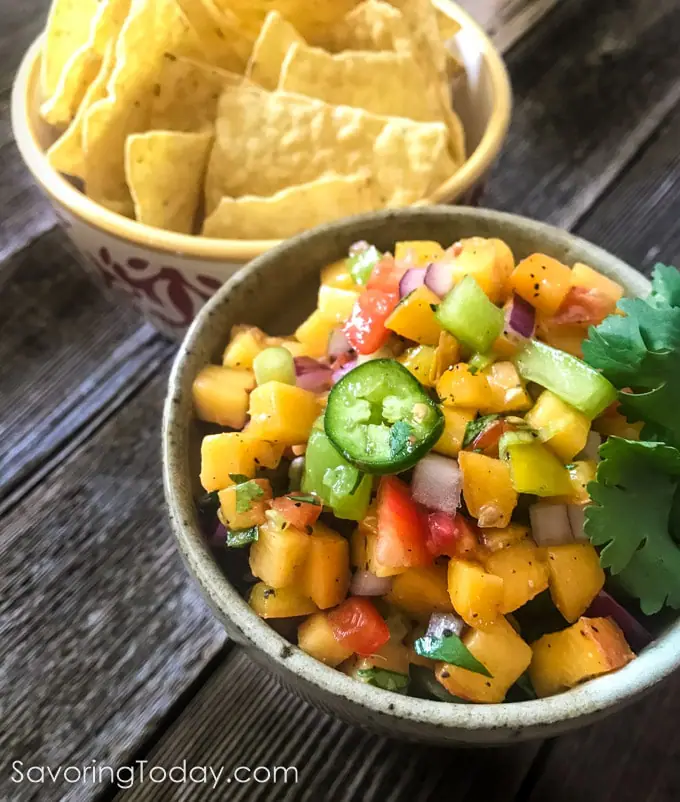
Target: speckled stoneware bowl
<point x="276" y="291"/>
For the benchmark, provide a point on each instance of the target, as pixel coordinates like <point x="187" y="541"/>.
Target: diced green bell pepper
<point x="568" y="377"/>
<point x="361" y="266"/>
<point x="470" y="316"/>
<point x="533" y="467"/>
<point x="337" y="483"/>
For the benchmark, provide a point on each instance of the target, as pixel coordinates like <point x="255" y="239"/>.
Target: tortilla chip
<point x="83" y="66"/>
<point x="67" y="155"/>
<point x="67" y="30"/>
<point x="308" y="16"/>
<point x="431" y="54"/>
<point x="275" y="39"/>
<point x="292" y="210"/>
<point x="222" y="46"/>
<point x="152" y="29"/>
<point x="372" y="25"/>
<point x="448" y="27"/>
<point x="186" y="94"/>
<point x="384" y="83"/>
<point x="266" y="142"/>
<point x="165" y="171"/>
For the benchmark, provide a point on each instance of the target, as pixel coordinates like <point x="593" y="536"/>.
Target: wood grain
<point x="627" y="758"/>
<point x="24" y="213"/>
<point x="55" y="381"/>
<point x="591" y="84"/>
<point x="242" y="718"/>
<point x="101" y="628"/>
<point x="638" y="218"/>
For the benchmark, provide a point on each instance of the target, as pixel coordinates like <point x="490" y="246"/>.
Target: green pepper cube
<point x="468" y="314"/>
<point x="570" y="378"/>
<point x="337" y="483"/>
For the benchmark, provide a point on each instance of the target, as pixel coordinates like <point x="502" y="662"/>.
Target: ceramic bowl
<point x="169" y="276"/>
<point x="276" y="291"/>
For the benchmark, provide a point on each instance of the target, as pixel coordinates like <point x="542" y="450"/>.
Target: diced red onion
<point x="219" y="535"/>
<point x="312" y="375"/>
<point x="605" y="606"/>
<point x="520" y="318"/>
<point x="443" y="624"/>
<point x="340" y="372"/>
<point x="591" y="448"/>
<point x="364" y="583"/>
<point x="550" y="524"/>
<point x="358" y="247"/>
<point x="577" y="519"/>
<point x="437" y="483"/>
<point x="439" y="278"/>
<point x="413" y="278"/>
<point x="338" y="344"/>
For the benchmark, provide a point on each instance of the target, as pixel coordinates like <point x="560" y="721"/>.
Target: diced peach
<point x="327" y="572"/>
<point x="523" y="571"/>
<point x="455" y="423"/>
<point x="458" y="387"/>
<point x="563" y="428"/>
<point x="315" y="636"/>
<point x="487" y="489"/>
<point x="501" y="651"/>
<point x="221" y="395"/>
<point x="576" y="577"/>
<point x="507" y="389"/>
<point x="421" y="591"/>
<point x="476" y="595"/>
<point x="414" y="317"/>
<point x="497" y="539"/>
<point x="236" y="518"/>
<point x="314" y="333"/>
<point x="338" y="275"/>
<point x="584" y="276"/>
<point x="589" y="648"/>
<point x="541" y="281"/>
<point x="417" y="253"/>
<point x="230" y="453"/>
<point x="282" y="413"/>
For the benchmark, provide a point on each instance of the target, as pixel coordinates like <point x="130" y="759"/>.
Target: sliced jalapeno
<point x="380" y="419"/>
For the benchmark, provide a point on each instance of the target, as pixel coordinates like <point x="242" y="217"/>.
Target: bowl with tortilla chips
<point x="179" y="139"/>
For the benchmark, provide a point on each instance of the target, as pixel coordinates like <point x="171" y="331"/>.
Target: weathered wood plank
<point x="101" y="628"/>
<point x="591" y="83"/>
<point x="638" y="218"/>
<point x="627" y="758"/>
<point x="242" y="718"/>
<point x="67" y="352"/>
<point x="24" y="212"/>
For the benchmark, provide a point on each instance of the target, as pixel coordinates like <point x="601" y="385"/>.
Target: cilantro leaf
<point x="400" y="442"/>
<point x="385" y="679"/>
<point x="665" y="286"/>
<point x="642" y="351"/>
<point x="238" y="538"/>
<point x="246" y="494"/>
<point x="633" y="501"/>
<point x="238" y="478"/>
<point x="450" y="649"/>
<point x="304" y="498"/>
<point x="476" y="427"/>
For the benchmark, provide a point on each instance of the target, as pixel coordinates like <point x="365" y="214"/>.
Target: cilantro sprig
<point x="640" y="354"/>
<point x="633" y="512"/>
<point x="635" y="515"/>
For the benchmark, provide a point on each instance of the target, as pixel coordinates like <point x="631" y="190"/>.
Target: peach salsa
<point x="432" y="475"/>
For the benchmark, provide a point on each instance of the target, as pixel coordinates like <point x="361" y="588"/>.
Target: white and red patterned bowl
<point x="169" y="276"/>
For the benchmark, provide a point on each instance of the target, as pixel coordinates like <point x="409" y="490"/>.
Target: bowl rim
<point x="193" y="246"/>
<point x="584" y="702"/>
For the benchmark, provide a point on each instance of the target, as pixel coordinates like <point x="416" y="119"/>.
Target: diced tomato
<point x="365" y="329"/>
<point x="299" y="514"/>
<point x="584" y="306"/>
<point x="359" y="626"/>
<point x="402" y="527"/>
<point x="451" y="536"/>
<point x="386" y="276"/>
<point x="487" y="440"/>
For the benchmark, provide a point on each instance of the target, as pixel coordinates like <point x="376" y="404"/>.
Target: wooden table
<point x="108" y="654"/>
